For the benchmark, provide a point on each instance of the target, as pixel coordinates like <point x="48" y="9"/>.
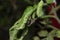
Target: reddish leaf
<point x="55" y="23"/>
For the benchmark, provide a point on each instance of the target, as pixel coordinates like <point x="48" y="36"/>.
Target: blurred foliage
<point x="21" y="23"/>
<point x="49" y="1"/>
<point x="13" y="10"/>
<point x="39" y="9"/>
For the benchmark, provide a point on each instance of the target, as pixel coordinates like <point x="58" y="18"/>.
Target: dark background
<point x="11" y="11"/>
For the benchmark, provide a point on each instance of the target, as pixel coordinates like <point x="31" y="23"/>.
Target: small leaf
<point x="33" y="15"/>
<point x="43" y="33"/>
<point x="36" y="38"/>
<point x="49" y="38"/>
<point x="39" y="9"/>
<point x="52" y="33"/>
<point x="49" y="1"/>
<point x="58" y="33"/>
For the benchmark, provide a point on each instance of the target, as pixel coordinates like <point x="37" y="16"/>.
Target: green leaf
<point x="20" y="24"/>
<point x="49" y="38"/>
<point x="33" y="15"/>
<point x="13" y="34"/>
<point x="52" y="33"/>
<point x="49" y="1"/>
<point x="43" y="33"/>
<point x="36" y="38"/>
<point x="39" y="9"/>
<point x="58" y="33"/>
